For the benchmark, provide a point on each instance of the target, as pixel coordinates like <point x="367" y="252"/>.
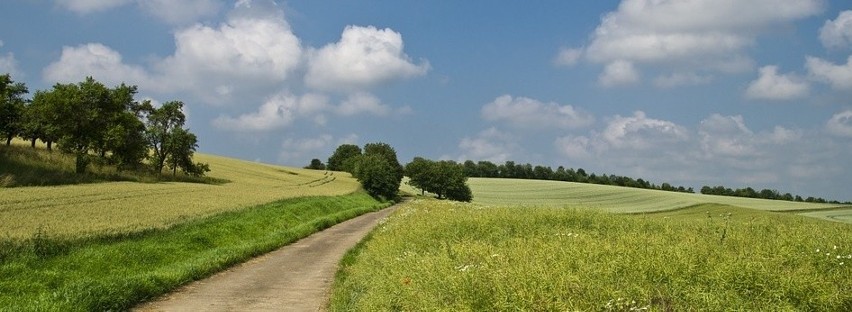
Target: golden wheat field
<point x="115" y="207"/>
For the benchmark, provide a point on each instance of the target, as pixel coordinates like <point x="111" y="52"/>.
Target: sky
<point x="691" y="92"/>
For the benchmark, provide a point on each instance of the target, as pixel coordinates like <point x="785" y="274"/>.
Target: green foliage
<point x="446" y="179"/>
<point x="316" y="164"/>
<point x="343" y="158"/>
<point x="377" y="176"/>
<point x="114" y="272"/>
<point x="443" y="256"/>
<point x="387" y="152"/>
<point x="11" y="107"/>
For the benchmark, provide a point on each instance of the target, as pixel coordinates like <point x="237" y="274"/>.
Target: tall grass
<point x="442" y="256"/>
<point x="114" y="272"/>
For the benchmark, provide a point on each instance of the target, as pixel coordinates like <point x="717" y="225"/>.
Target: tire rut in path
<point x="296" y="277"/>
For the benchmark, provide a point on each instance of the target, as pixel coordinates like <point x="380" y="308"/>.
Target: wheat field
<point x="118" y="207"/>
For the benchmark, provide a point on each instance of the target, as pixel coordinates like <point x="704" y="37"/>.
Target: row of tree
<point x="376" y="167"/>
<point x="764" y="194"/>
<point x="87" y="119"/>
<point x="444" y="178"/>
<point x="511" y="170"/>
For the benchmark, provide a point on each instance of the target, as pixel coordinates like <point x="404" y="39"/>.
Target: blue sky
<point x="704" y="92"/>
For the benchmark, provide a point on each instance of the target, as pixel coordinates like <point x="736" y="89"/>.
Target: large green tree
<point x="12" y="105"/>
<point x="343" y="158"/>
<point x="446" y="179"/>
<point x="418" y="172"/>
<point x="163" y="126"/>
<point x="377" y="176"/>
<point x="387" y="152"/>
<point x="80" y="117"/>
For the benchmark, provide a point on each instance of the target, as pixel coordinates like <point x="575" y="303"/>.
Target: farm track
<point x="297" y="277"/>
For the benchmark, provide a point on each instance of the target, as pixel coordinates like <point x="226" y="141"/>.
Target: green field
<point x="443" y="256"/>
<point x="121" y="207"/>
<point x="629" y="200"/>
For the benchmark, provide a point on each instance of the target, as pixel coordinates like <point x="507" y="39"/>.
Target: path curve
<point x="296" y="277"/>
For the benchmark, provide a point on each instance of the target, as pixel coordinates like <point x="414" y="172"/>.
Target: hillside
<point x="87" y="209"/>
<point x="629" y="200"/>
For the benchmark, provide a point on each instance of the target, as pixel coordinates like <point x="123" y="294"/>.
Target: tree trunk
<point x="8" y="140"/>
<point x="49" y="145"/>
<point x="32" y="142"/>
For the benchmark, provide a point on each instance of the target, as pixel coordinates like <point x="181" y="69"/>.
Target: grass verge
<point x="116" y="272"/>
<point x="442" y="256"/>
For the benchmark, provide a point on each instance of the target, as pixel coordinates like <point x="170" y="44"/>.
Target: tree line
<point x="94" y="122"/>
<point x="512" y="170"/>
<point x="763" y="194"/>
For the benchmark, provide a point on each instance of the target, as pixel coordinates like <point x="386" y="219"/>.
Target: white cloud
<point x="838" y="76"/>
<point x="364" y="57"/>
<point x="681" y="79"/>
<point x="619" y="72"/>
<point x="181" y="12"/>
<point x="574" y="147"/>
<point x="90" y="6"/>
<point x="169" y="11"/>
<point x="837" y="33"/>
<point x="241" y="53"/>
<point x="362" y="103"/>
<point x="710" y="35"/>
<point x="529" y="113"/>
<point x="8" y="64"/>
<point x="491" y="145"/>
<point x="96" y="60"/>
<point x="840" y="124"/>
<point x="278" y="111"/>
<point x="640" y="132"/>
<point x="772" y="86"/>
<point x="568" y="57"/>
<point x="299" y="152"/>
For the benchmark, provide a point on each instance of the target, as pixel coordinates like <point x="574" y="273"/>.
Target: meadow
<point x="444" y="256"/>
<point x="616" y="199"/>
<point x="125" y="207"/>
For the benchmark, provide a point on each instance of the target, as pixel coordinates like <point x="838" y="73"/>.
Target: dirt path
<point x="297" y="277"/>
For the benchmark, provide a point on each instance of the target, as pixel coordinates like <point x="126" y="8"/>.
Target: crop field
<point x="119" y="207"/>
<point x="443" y="256"/>
<point x="629" y="200"/>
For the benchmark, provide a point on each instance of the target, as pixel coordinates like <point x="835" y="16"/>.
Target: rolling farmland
<point x="629" y="200"/>
<point x="88" y="209"/>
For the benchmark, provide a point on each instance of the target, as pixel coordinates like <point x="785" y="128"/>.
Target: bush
<point x="377" y="176"/>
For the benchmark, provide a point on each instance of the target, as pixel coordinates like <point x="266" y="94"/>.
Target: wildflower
<point x="817" y="250"/>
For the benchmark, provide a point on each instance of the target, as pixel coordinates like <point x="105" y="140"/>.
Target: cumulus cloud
<point x="837" y="33"/>
<point x="840" y="124"/>
<point x="710" y="35"/>
<point x="181" y="12"/>
<point x="362" y="103"/>
<point x="772" y="86"/>
<point x="568" y="57"/>
<point x="681" y="79"/>
<point x="619" y="72"/>
<point x="169" y="11"/>
<point x="838" y="76"/>
<point x="90" y="6"/>
<point x="491" y="145"/>
<point x="8" y="64"/>
<point x="726" y="136"/>
<point x="364" y="57"/>
<point x="96" y="60"/>
<point x="530" y="113"/>
<point x="279" y="111"/>
<point x="637" y="133"/>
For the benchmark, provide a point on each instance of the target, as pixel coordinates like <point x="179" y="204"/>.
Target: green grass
<point x="115" y="272"/>
<point x="443" y="256"/>
<point x="628" y="200"/>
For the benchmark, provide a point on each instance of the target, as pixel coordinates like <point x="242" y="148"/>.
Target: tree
<point x="12" y="106"/>
<point x="316" y="164"/>
<point x="377" y="176"/>
<point x="343" y="158"/>
<point x="418" y="171"/>
<point x="447" y="179"/>
<point x="471" y="169"/>
<point x="182" y="144"/>
<point x="78" y="110"/>
<point x="387" y="152"/>
<point x="42" y="121"/>
<point x="162" y="124"/>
